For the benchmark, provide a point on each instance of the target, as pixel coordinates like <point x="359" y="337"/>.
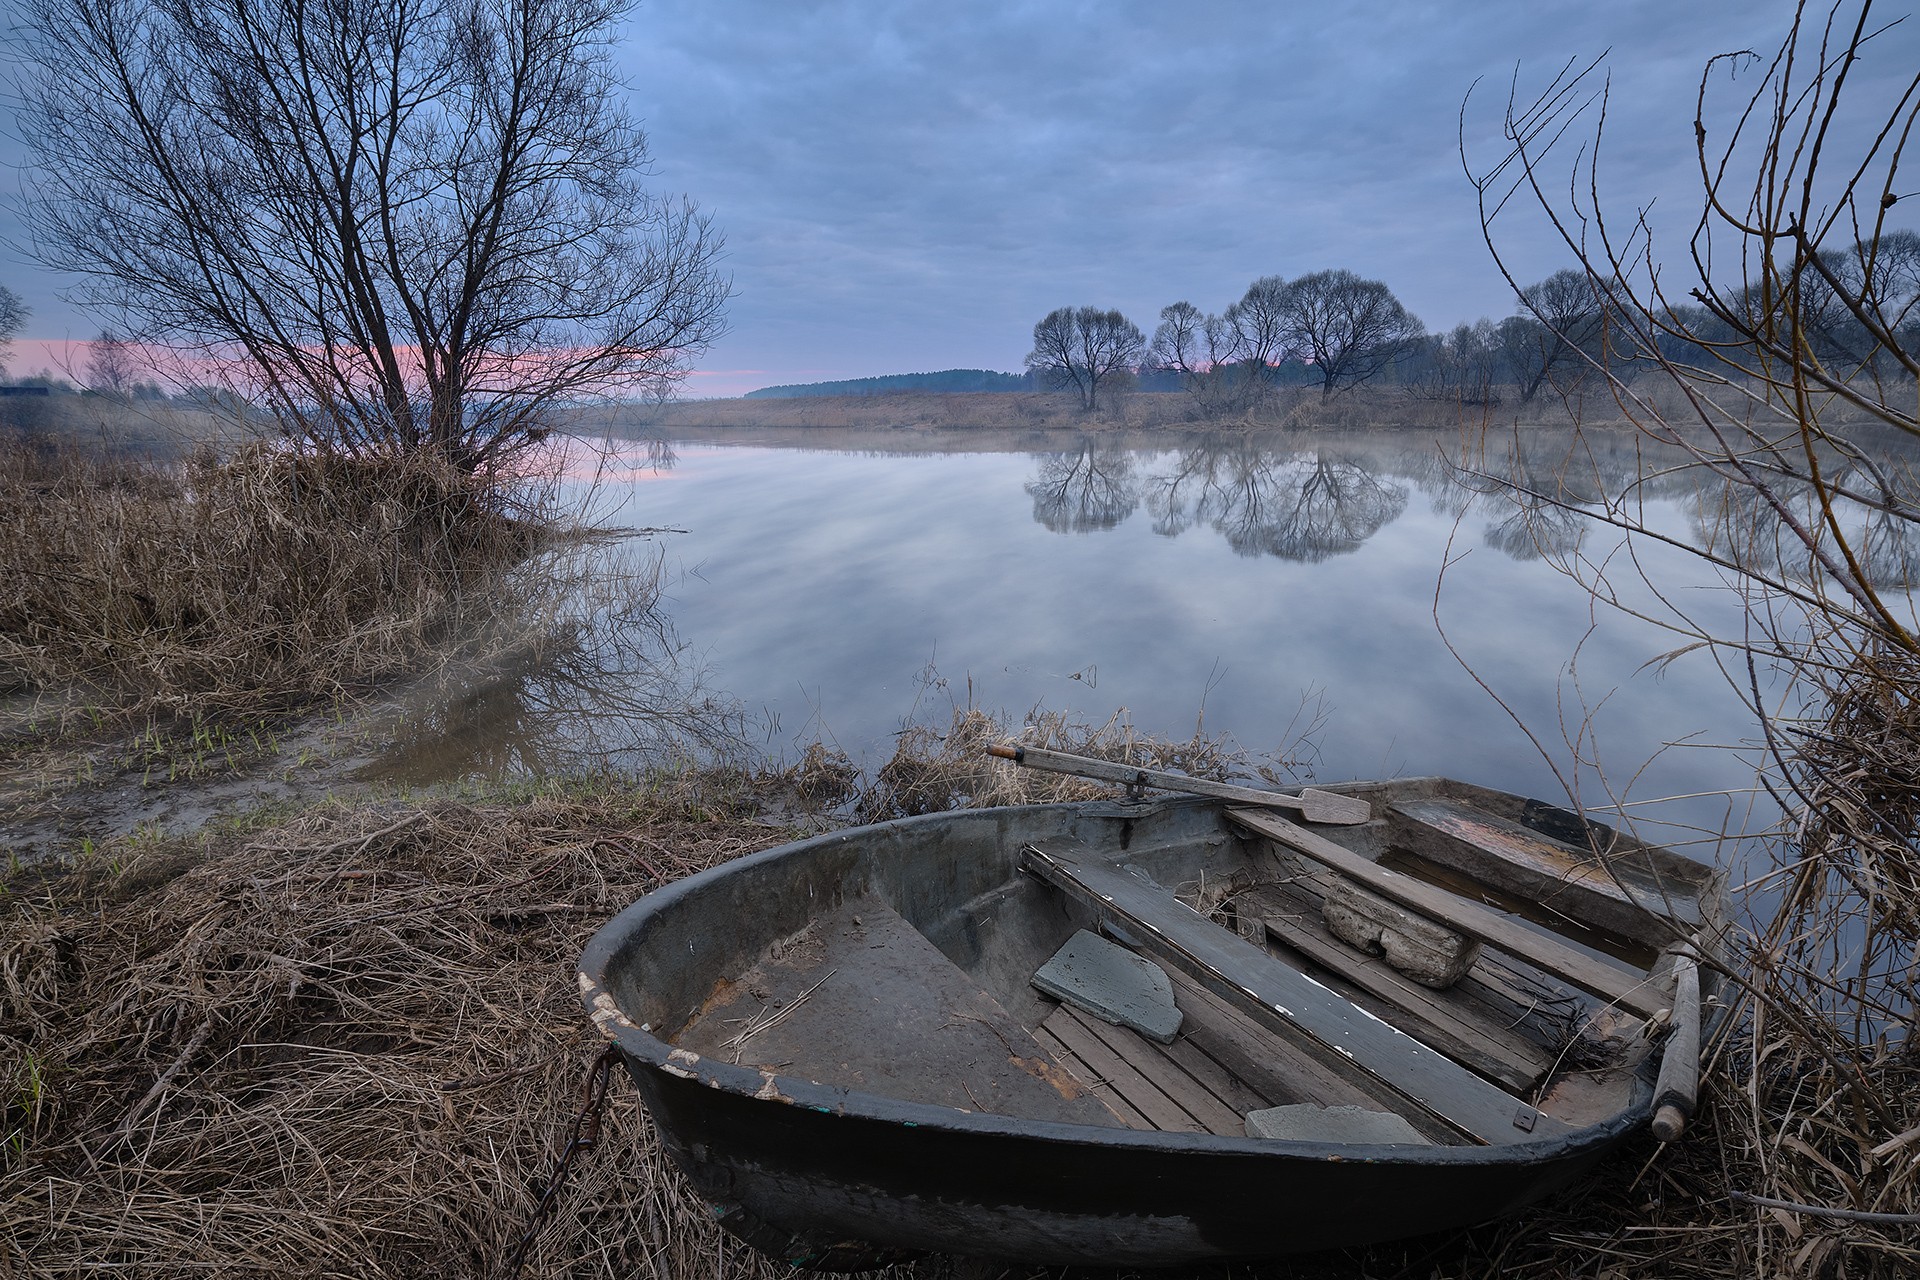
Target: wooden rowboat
<point x="842" y="1044"/>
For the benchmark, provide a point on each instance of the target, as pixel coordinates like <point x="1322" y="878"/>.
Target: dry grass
<point x="935" y="768"/>
<point x="263" y="578"/>
<point x="347" y="1045"/>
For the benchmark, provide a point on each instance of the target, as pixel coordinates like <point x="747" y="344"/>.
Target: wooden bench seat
<point x="1610" y="982"/>
<point x="1341" y="1036"/>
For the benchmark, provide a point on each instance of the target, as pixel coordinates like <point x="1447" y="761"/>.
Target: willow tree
<point x="401" y="225"/>
<point x="1084" y="348"/>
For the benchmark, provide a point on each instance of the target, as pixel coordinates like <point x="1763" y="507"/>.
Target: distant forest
<point x="944" y="380"/>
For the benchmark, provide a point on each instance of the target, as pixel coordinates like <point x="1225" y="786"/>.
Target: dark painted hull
<point x="819" y="1171"/>
<point x="802" y="1168"/>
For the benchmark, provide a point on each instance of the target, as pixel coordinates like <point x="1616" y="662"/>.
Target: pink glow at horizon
<point x="66" y="358"/>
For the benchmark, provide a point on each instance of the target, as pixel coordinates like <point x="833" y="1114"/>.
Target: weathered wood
<point x="1154" y="1062"/>
<point x="1619" y="888"/>
<point x="1314" y="805"/>
<point x="1426" y="951"/>
<point x="1090" y="1080"/>
<point x="1675" y="1092"/>
<point x="1286" y="1002"/>
<point x="1234" y="1092"/>
<point x="1446" y="1020"/>
<point x="1635" y="991"/>
<point x="1163" y="1112"/>
<point x="1270" y="1066"/>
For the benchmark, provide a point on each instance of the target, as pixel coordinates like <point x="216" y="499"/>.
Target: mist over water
<point x="1254" y="586"/>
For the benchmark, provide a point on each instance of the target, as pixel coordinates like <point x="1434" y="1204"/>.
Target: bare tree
<point x="1261" y="322"/>
<point x="1179" y="343"/>
<point x="1463" y="367"/>
<point x="1556" y="331"/>
<point x="1350" y="328"/>
<point x="400" y="224"/>
<point x="13" y="314"/>
<point x="110" y="365"/>
<point x="1224" y="360"/>
<point x="1084" y="347"/>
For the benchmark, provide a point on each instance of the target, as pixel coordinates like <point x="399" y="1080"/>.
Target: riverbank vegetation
<point x="1797" y="346"/>
<point x="254" y="581"/>
<point x="342" y="1038"/>
<point x="345" y="1038"/>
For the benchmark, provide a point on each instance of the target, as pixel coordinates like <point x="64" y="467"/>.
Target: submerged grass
<point x="260" y="578"/>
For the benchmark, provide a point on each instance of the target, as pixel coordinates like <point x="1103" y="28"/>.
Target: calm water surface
<point x="1262" y="586"/>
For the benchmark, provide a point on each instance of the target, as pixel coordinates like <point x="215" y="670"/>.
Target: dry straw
<point x="349" y="1045"/>
<point x="243" y="581"/>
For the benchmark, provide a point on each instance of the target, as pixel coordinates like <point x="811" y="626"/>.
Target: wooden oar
<point x="1314" y="806"/>
<point x="1675" y="1092"/>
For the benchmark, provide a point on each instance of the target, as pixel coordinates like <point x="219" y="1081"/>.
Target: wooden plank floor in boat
<point x="1217" y="1069"/>
<point x="862" y="999"/>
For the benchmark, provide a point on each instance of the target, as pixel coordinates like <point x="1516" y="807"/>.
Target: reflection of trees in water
<point x="1536" y="526"/>
<point x="1535" y="493"/>
<point x="1539" y="499"/>
<point x="593" y="678"/>
<point x="1089" y="489"/>
<point x="1296" y="505"/>
<point x="1739" y="523"/>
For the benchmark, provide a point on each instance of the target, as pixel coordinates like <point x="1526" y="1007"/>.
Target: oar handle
<point x="1315" y="806"/>
<point x="1678" y="1088"/>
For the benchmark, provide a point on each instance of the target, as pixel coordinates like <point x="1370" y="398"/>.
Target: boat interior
<point x="1488" y="969"/>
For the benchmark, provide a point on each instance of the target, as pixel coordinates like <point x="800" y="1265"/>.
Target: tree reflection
<point x="1298" y="505"/>
<point x="585" y="677"/>
<point x="1539" y="494"/>
<point x="1089" y="489"/>
<point x="1536" y="526"/>
<point x="1874" y="505"/>
<point x="1542" y="501"/>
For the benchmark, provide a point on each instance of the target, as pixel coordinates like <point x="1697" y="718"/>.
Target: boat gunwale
<point x="642" y="1048"/>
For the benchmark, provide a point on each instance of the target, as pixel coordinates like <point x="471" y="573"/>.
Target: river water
<point x="1404" y="617"/>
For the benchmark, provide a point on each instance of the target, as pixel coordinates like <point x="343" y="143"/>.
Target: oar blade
<point x="1333" y="809"/>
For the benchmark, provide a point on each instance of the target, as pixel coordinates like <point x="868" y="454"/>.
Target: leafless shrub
<point x="1788" y="370"/>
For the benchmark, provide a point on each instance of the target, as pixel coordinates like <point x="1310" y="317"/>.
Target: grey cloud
<point x="909" y="185"/>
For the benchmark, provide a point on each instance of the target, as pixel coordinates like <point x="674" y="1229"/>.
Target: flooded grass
<point x="257" y="580"/>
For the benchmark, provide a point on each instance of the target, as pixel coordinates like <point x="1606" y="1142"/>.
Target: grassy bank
<point x="343" y="1043"/>
<point x="342" y="1038"/>
<point x="258" y="579"/>
<point x="346" y="1041"/>
<point x="1023" y="414"/>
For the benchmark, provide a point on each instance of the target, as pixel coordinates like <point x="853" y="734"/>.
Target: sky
<point x="908" y="185"/>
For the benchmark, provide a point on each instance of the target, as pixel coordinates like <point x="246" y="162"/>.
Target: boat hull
<point x="815" y="1173"/>
<point x="810" y="1180"/>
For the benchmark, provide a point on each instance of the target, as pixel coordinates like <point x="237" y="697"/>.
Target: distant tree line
<point x="1335" y="330"/>
<point x="1331" y="328"/>
<point x="946" y="380"/>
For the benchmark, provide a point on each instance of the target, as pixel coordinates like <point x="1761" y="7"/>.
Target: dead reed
<point x="347" y="1045"/>
<point x="934" y="767"/>
<point x="261" y="578"/>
